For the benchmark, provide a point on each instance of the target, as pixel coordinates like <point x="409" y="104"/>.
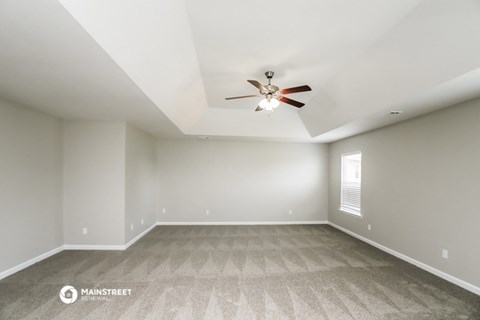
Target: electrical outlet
<point x="290" y="212"/>
<point x="164" y="210"/>
<point x="84" y="231"/>
<point x="207" y="212"/>
<point x="369" y="227"/>
<point x="445" y="254"/>
<point x="131" y="227"/>
<point x="141" y="221"/>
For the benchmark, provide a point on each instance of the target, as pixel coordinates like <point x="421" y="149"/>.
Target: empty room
<point x="243" y="160"/>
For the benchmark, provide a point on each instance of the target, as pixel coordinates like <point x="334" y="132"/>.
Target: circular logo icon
<point x="68" y="294"/>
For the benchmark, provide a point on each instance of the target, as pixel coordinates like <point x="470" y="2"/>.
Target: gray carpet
<point x="237" y="272"/>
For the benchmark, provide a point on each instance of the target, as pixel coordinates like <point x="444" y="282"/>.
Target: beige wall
<point x="241" y="181"/>
<point x="94" y="182"/>
<point x="30" y="184"/>
<point x="420" y="188"/>
<point x="140" y="182"/>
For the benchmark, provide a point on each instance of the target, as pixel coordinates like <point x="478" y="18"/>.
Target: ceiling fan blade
<point x="241" y="97"/>
<point x="257" y="84"/>
<point x="296" y="89"/>
<point x="259" y="108"/>
<point x="291" y="102"/>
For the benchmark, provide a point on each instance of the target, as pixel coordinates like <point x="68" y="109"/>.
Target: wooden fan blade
<point x="291" y="102"/>
<point x="241" y="97"/>
<point x="259" y="108"/>
<point x="296" y="89"/>
<point x="257" y="84"/>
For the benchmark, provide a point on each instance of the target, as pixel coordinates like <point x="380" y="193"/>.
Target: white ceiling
<point x="166" y="66"/>
<point x="47" y="61"/>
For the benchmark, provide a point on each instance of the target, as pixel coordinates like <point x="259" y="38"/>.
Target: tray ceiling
<point x="166" y="66"/>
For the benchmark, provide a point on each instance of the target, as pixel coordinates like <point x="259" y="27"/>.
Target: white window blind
<point x="351" y="183"/>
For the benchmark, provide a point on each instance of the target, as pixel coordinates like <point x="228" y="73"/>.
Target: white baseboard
<point x="237" y="223"/>
<point x="468" y="286"/>
<point x="50" y="253"/>
<point x="465" y="285"/>
<point x="139" y="236"/>
<point x="108" y="247"/>
<point x="28" y="263"/>
<point x="92" y="247"/>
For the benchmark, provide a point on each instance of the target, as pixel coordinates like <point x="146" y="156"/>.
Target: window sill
<point x="356" y="214"/>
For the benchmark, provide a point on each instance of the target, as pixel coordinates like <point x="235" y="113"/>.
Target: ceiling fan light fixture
<point x="269" y="104"/>
<point x="273" y="94"/>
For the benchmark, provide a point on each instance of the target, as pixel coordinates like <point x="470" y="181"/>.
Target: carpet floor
<point x="236" y="272"/>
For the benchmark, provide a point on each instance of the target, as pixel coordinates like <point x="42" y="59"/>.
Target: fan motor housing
<point x="270" y="89"/>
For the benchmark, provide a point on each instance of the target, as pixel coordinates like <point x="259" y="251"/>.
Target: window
<point x="351" y="182"/>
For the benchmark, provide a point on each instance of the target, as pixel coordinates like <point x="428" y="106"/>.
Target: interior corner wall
<point x="30" y="184"/>
<point x="241" y="181"/>
<point x="140" y="182"/>
<point x="94" y="182"/>
<point x="420" y="188"/>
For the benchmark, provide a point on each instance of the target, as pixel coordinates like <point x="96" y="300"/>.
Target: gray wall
<point x="30" y="184"/>
<point x="241" y="181"/>
<point x="421" y="181"/>
<point x="140" y="181"/>
<point x="94" y="182"/>
<point x="420" y="188"/>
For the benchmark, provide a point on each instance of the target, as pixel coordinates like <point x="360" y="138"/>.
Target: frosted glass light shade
<point x="269" y="104"/>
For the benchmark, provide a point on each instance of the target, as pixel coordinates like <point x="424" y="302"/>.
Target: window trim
<point x="346" y="209"/>
<point x="353" y="213"/>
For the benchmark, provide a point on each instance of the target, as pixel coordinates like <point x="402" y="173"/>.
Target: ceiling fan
<point x="273" y="94"/>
